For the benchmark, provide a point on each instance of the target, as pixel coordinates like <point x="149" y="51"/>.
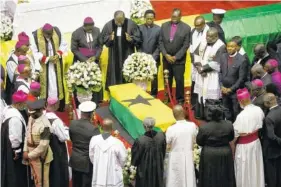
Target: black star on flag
<point x="138" y="100"/>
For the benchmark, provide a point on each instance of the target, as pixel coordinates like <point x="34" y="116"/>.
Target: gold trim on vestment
<point x="43" y="74"/>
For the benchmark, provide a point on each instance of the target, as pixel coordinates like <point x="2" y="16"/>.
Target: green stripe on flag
<point x="133" y="125"/>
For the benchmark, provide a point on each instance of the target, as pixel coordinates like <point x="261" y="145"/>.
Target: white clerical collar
<point x="233" y="54"/>
<point x="273" y="107"/>
<point x="264" y="75"/>
<point x="265" y="56"/>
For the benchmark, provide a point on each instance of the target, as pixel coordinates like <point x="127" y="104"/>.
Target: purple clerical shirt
<point x="276" y="79"/>
<point x="173" y="31"/>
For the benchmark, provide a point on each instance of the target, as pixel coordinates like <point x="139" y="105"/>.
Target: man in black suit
<point x="241" y="51"/>
<point x="257" y="72"/>
<point x="218" y="15"/>
<point x="234" y="68"/>
<point x="261" y="55"/>
<point x="81" y="131"/>
<point x="174" y="42"/>
<point x="150" y="44"/>
<point x="257" y="93"/>
<point x="272" y="141"/>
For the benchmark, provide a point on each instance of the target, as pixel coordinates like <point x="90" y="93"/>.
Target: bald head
<point x="257" y="71"/>
<point x="269" y="100"/>
<point x="107" y="125"/>
<point x="260" y="50"/>
<point x="119" y="18"/>
<point x="178" y="112"/>
<point x="212" y="35"/>
<point x="199" y="23"/>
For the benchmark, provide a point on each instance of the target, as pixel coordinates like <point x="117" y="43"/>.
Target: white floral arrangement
<point x="6" y="30"/>
<point x="84" y="77"/>
<point x="129" y="171"/>
<point x="139" y="67"/>
<point x="138" y="8"/>
<point x="196" y="155"/>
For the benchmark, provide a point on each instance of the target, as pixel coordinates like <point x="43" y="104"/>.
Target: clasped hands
<point x="128" y="37"/>
<point x="226" y="91"/>
<point x="170" y="59"/>
<point x="54" y="59"/>
<point x="199" y="68"/>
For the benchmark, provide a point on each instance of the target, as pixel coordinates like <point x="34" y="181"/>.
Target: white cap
<point x="218" y="11"/>
<point x="87" y="106"/>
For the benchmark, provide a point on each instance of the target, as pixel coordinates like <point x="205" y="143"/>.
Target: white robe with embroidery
<point x="209" y="87"/>
<point x="249" y="171"/>
<point x="108" y="157"/>
<point x="197" y="38"/>
<point x="181" y="137"/>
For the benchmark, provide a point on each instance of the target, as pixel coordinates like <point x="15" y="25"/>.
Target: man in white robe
<point x="108" y="156"/>
<point x="180" y="140"/>
<point x="207" y="84"/>
<point x="198" y="35"/>
<point x="249" y="169"/>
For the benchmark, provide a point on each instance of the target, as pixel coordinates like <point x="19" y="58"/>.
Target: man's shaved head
<point x="269" y="100"/>
<point x="119" y="13"/>
<point x="107" y="125"/>
<point x="260" y="50"/>
<point x="178" y="112"/>
<point x="212" y="35"/>
<point x="199" y="23"/>
<point x="119" y="18"/>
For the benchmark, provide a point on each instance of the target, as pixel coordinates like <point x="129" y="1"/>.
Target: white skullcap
<point x="87" y="106"/>
<point x="218" y="11"/>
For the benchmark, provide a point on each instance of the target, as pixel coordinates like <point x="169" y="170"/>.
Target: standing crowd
<point x="241" y="141"/>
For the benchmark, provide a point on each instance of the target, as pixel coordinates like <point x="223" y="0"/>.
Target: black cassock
<point x="216" y="167"/>
<point x="148" y="153"/>
<point x="220" y="30"/>
<point x="59" y="176"/>
<point x="119" y="49"/>
<point x="13" y="172"/>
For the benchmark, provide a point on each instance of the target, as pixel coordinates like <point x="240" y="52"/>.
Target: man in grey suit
<point x="85" y="42"/>
<point x="174" y="42"/>
<point x="150" y="44"/>
<point x="234" y="70"/>
<point x="258" y="72"/>
<point x="81" y="131"/>
<point x="86" y="45"/>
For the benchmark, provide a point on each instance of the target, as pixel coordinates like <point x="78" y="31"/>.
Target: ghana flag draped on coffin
<point x="131" y="105"/>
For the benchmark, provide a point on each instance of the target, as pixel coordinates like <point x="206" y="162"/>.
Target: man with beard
<point x="272" y="141"/>
<point x="48" y="49"/>
<point x="86" y="45"/>
<point x="13" y="172"/>
<point x="234" y="69"/>
<point x="121" y="35"/>
<point x="272" y="68"/>
<point x="174" y="42"/>
<point x="258" y="72"/>
<point x="207" y="84"/>
<point x="150" y="34"/>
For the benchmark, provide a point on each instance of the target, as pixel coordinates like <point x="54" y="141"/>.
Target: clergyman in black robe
<point x="13" y="172"/>
<point x="216" y="167"/>
<point x="121" y="35"/>
<point x="148" y="153"/>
